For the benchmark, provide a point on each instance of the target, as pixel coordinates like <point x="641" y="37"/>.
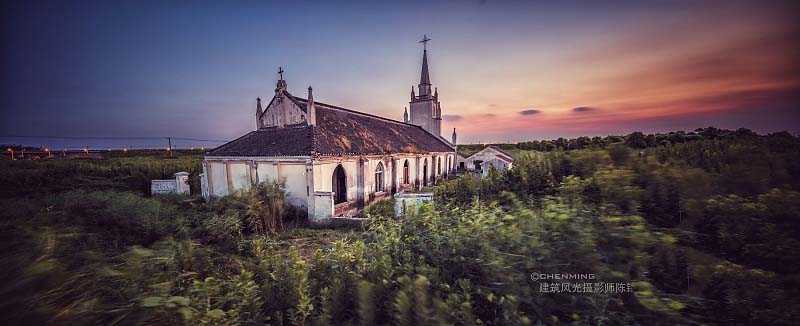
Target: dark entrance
<point x="477" y="165"/>
<point x="425" y="173"/>
<point x="394" y="176"/>
<point x="339" y="185"/>
<point x="405" y="172"/>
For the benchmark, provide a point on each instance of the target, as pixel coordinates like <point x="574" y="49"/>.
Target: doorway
<point x="339" y="185"/>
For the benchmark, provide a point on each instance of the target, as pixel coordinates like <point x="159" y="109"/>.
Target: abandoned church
<point x="334" y="160"/>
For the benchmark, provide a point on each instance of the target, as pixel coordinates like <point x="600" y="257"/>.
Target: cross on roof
<point x="280" y="72"/>
<point x="425" y="41"/>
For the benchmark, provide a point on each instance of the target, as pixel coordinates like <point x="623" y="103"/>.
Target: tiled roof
<point x="338" y="131"/>
<point x="290" y="141"/>
<point x="508" y="155"/>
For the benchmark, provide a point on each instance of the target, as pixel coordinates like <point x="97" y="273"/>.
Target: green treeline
<point x="704" y="230"/>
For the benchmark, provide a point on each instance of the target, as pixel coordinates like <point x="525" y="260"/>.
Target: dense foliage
<point x="704" y="231"/>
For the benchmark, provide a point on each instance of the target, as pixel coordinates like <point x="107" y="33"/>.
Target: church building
<point x="333" y="160"/>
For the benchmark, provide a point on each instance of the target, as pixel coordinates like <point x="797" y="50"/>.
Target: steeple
<point x="424" y="109"/>
<point x="454" y="136"/>
<point x="424" y="78"/>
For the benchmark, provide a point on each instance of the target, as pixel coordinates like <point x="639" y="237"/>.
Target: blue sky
<point x="194" y="69"/>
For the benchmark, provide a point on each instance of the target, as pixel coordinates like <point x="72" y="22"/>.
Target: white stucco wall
<point x="238" y="172"/>
<point x="486" y="155"/>
<point x="323" y="176"/>
<point x="243" y="172"/>
<point x="267" y="171"/>
<point x="218" y="177"/>
<point x="294" y="178"/>
<point x="239" y="175"/>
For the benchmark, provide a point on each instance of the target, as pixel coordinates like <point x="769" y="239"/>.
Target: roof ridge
<point x="230" y="142"/>
<point x="331" y="106"/>
<point x="500" y="150"/>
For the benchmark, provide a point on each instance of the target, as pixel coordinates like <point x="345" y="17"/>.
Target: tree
<point x="619" y="154"/>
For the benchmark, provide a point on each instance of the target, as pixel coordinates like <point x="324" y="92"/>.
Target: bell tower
<point x="425" y="108"/>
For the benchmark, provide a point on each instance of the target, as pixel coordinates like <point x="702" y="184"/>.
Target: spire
<point x="454" y="136"/>
<point x="436" y="92"/>
<point x="412" y="93"/>
<point x="405" y="114"/>
<point x="425" y="78"/>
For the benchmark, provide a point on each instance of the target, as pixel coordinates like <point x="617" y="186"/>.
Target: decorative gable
<point x="283" y="111"/>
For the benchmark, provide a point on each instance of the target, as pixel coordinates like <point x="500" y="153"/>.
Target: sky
<point x="506" y="71"/>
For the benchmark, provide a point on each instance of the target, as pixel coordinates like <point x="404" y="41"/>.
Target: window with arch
<point x="379" y="177"/>
<point x="339" y="185"/>
<point x="439" y="165"/>
<point x="405" y="172"/>
<point x="425" y="172"/>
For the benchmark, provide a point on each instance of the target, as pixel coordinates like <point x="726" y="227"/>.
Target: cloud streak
<point x="530" y="112"/>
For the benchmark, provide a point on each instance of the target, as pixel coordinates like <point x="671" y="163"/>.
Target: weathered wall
<point x="218" y="177"/>
<point x="323" y="175"/>
<point x="228" y="174"/>
<point x="239" y="176"/>
<point x="231" y="174"/>
<point x="486" y="155"/>
<point x="281" y="112"/>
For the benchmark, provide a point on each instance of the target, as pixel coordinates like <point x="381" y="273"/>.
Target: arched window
<point x="379" y="177"/>
<point x="439" y="166"/>
<point x="405" y="172"/>
<point x="339" y="185"/>
<point x="425" y="172"/>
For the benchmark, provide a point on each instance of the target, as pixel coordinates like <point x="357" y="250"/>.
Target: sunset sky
<point x="506" y="70"/>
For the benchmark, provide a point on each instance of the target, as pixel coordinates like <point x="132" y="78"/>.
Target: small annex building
<point x="485" y="159"/>
<point x="333" y="160"/>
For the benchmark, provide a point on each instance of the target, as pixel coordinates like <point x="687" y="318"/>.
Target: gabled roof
<point x="502" y="154"/>
<point x="338" y="131"/>
<point x="509" y="156"/>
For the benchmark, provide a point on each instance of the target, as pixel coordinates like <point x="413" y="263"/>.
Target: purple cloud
<point x="582" y="109"/>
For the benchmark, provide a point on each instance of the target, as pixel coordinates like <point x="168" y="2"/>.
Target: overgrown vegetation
<point x="704" y="231"/>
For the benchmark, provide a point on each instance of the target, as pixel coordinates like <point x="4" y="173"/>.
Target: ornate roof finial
<point x="281" y="85"/>
<point x="405" y="114"/>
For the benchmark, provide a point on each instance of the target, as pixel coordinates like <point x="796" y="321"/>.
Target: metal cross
<point x="424" y="41"/>
<point x="280" y="72"/>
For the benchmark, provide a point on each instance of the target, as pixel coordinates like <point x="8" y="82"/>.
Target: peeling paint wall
<point x="227" y="174"/>
<point x="231" y="174"/>
<point x="281" y="112"/>
<point x="218" y="177"/>
<point x="485" y="155"/>
<point x="239" y="175"/>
